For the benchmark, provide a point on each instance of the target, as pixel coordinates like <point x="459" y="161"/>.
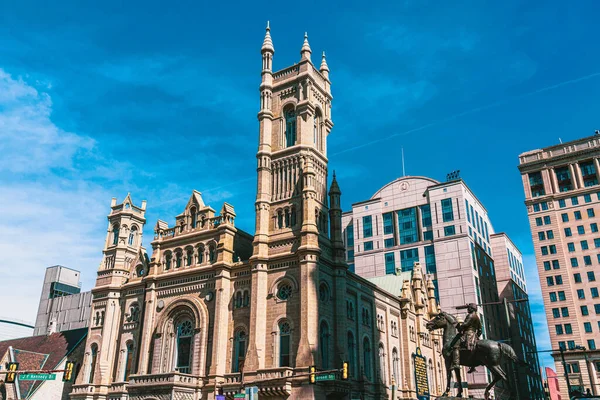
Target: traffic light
<point x="68" y="374"/>
<point x="11" y="376"/>
<point x="345" y="371"/>
<point x="313" y="377"/>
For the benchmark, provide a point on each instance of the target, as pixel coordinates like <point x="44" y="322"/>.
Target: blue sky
<point x="97" y="100"/>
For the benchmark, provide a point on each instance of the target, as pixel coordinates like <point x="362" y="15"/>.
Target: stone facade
<point x="215" y="309"/>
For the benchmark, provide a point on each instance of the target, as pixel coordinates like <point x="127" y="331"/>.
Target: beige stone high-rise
<point x="215" y="309"/>
<point x="563" y="203"/>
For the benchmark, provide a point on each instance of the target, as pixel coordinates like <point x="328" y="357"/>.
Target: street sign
<point x="37" y="377"/>
<point x="325" y="377"/>
<point x="239" y="396"/>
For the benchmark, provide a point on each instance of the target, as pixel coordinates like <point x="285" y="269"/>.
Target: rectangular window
<point x="568" y="232"/>
<point x="594" y="227"/>
<point x="587" y="260"/>
<point x="580" y="230"/>
<point x="350" y="236"/>
<point x="591" y="344"/>
<point x="563" y="177"/>
<point x="584" y="245"/>
<point x="426" y="215"/>
<point x="428" y="235"/>
<point x="539" y="221"/>
<point x="542" y="235"/>
<point x="547" y="266"/>
<point x="449" y="230"/>
<point x="390" y="263"/>
<point x="587" y="198"/>
<point x="584" y="311"/>
<point x="587" y="327"/>
<point x="556" y="313"/>
<point x="555" y="265"/>
<point x="547" y="220"/>
<point x="588" y="173"/>
<point x="350" y="255"/>
<point x="553" y="297"/>
<point x="577" y="215"/>
<point x="467" y="210"/>
<point x="536" y="183"/>
<point x="597" y="308"/>
<point x="561" y="345"/>
<point x="574" y="262"/>
<point x="564" y="311"/>
<point x="367" y="226"/>
<point x="594" y="292"/>
<point x="407" y="224"/>
<point x="550" y="234"/>
<point x="388" y="223"/>
<point x="559" y="329"/>
<point x="536" y="207"/>
<point x="590" y="212"/>
<point x="408" y="258"/>
<point x="568" y="329"/>
<point x="577" y="278"/>
<point x="430" y="264"/>
<point x="544" y="206"/>
<point x="558" y="279"/>
<point x="574" y="201"/>
<point x="565" y="217"/>
<point x="561" y="296"/>
<point x="580" y="294"/>
<point x="571" y="246"/>
<point x="368" y="246"/>
<point x="447" y="211"/>
<point x="591" y="276"/>
<point x="571" y="344"/>
<point x="550" y="281"/>
<point x="544" y="250"/>
<point x="562" y="203"/>
<point x="552" y="248"/>
<point x="389" y="242"/>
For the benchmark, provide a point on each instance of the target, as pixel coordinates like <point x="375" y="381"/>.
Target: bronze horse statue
<point x="488" y="353"/>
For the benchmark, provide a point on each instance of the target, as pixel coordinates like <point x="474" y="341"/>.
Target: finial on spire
<point x="305" y="51"/>
<point x="334" y="189"/>
<point x="268" y="43"/>
<point x="324" y="67"/>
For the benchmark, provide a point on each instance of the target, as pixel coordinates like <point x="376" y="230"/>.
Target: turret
<point x="305" y="51"/>
<point x="431" y="300"/>
<point x="324" y="67"/>
<point x="335" y="220"/>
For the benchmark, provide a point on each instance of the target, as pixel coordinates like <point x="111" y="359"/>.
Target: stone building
<point x="215" y="309"/>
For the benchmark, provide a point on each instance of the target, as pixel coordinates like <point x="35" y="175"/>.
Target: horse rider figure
<point x="468" y="334"/>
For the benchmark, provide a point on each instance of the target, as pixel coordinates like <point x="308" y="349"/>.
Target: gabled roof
<point x="41" y="352"/>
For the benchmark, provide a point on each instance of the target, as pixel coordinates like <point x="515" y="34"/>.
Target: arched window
<point x="323" y="292"/>
<point x="178" y="259"/>
<point x="115" y="232"/>
<point x="239" y="351"/>
<point x="128" y="360"/>
<point x="293" y="217"/>
<point x="246" y="299"/>
<point x="132" y="234"/>
<point x="287" y="218"/>
<point x="284" y="344"/>
<point x="134" y="313"/>
<point x="290" y="127"/>
<point x="317" y="132"/>
<point x="324" y="345"/>
<point x="189" y="257"/>
<point x="279" y="219"/>
<point x="212" y="256"/>
<point x="200" y="254"/>
<point x="284" y="291"/>
<point x="367" y="357"/>
<point x="381" y="371"/>
<point x="184" y="346"/>
<point x="351" y="354"/>
<point x="395" y="360"/>
<point x="168" y="258"/>
<point x="238" y="299"/>
<point x="139" y="271"/>
<point x="93" y="359"/>
<point x="102" y="318"/>
<point x="194" y="216"/>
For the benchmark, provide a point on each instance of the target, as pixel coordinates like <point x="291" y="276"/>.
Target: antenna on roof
<point x="560" y="140"/>
<point x="403" y="173"/>
<point x="596" y="132"/>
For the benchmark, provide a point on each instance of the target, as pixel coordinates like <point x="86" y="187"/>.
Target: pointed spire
<point x="324" y="66"/>
<point x="267" y="43"/>
<point x="334" y="188"/>
<point x="305" y="51"/>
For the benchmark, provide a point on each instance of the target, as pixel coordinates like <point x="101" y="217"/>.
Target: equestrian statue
<point x="462" y="346"/>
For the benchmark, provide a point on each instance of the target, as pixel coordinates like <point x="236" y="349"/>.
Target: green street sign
<point x="37" y="377"/>
<point x="325" y="377"/>
<point x="239" y="396"/>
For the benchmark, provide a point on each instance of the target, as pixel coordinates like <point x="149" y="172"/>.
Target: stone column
<point x="146" y="330"/>
<point x="597" y="168"/>
<point x="574" y="179"/>
<point x="548" y="186"/>
<point x="554" y="180"/>
<point x="255" y="358"/>
<point x="221" y="341"/>
<point x="308" y="304"/>
<point x="579" y="175"/>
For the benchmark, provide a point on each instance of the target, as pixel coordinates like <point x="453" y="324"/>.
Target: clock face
<point x="161" y="304"/>
<point x="209" y="296"/>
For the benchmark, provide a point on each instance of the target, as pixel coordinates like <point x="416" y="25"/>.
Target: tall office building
<point x="445" y="227"/>
<point x="62" y="305"/>
<point x="562" y="198"/>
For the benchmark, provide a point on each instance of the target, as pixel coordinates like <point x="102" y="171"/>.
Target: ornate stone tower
<point x="291" y="200"/>
<point x="122" y="253"/>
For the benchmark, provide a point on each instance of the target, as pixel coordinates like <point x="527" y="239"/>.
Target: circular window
<point x="140" y="271"/>
<point x="285" y="291"/>
<point x="284" y="328"/>
<point x="185" y="328"/>
<point x="323" y="292"/>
